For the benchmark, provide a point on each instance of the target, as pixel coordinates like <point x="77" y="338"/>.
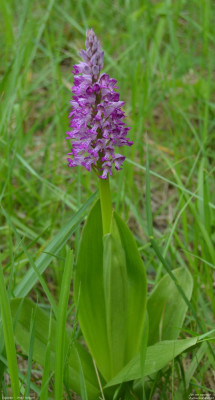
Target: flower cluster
<point x="97" y="125"/>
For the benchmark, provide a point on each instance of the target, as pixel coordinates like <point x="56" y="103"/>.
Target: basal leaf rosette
<point x="110" y="293"/>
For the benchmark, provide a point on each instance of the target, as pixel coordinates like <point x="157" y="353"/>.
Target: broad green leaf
<point x="22" y="310"/>
<point x="143" y="348"/>
<point x="167" y="308"/>
<point x="137" y="289"/>
<point x="116" y="291"/>
<point x="52" y="249"/>
<point x="89" y="290"/>
<point x="157" y="357"/>
<point x="110" y="293"/>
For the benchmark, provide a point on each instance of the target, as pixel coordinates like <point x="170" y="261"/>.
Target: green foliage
<point x="157" y="357"/>
<point x="47" y="365"/>
<point x="7" y="323"/>
<point x="116" y="301"/>
<point x="22" y="310"/>
<point x="162" y="54"/>
<point x="137" y="287"/>
<point x="110" y="283"/>
<point x="166" y="309"/>
<point x="55" y="245"/>
<point x="89" y="292"/>
<point x="61" y="325"/>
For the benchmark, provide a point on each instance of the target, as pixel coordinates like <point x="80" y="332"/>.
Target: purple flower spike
<point x="97" y="125"/>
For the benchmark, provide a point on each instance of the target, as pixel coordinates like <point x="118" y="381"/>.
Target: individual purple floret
<point x="97" y="125"/>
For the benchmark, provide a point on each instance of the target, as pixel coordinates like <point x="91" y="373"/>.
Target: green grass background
<point x="163" y="55"/>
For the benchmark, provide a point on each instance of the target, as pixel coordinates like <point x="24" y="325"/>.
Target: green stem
<point x="106" y="205"/>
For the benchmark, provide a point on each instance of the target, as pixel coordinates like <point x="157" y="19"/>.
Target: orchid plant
<point x="127" y="336"/>
<point x="110" y="287"/>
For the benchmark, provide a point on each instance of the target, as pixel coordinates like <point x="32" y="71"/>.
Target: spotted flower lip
<point x="97" y="120"/>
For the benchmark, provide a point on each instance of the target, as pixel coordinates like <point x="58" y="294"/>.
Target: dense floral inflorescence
<point x="96" y="117"/>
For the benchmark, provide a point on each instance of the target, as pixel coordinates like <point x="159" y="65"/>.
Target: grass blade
<point x="61" y="325"/>
<point x="30" y="354"/>
<point x="163" y="260"/>
<point x="9" y="336"/>
<point x="177" y="185"/>
<point x="47" y="366"/>
<point x="53" y="248"/>
<point x="33" y="266"/>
